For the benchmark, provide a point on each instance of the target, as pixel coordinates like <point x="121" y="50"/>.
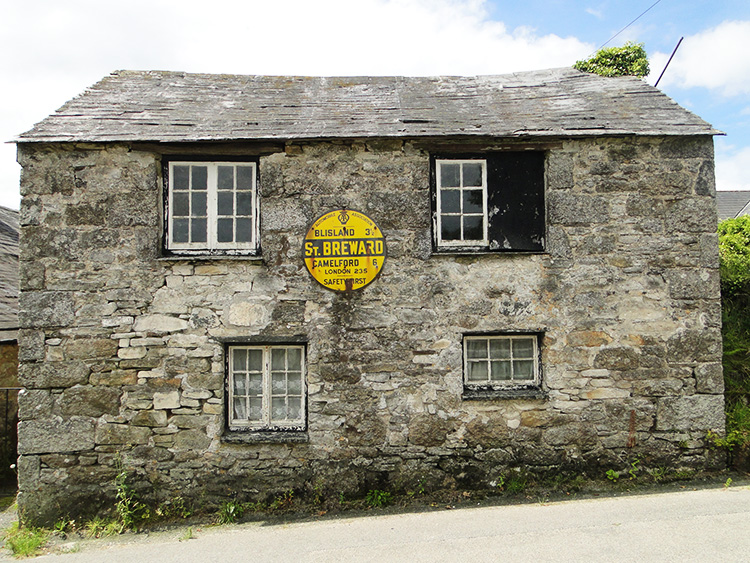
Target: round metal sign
<point x="344" y="250"/>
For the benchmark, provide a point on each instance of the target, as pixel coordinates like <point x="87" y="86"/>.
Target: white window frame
<point x="212" y="243"/>
<point x="462" y="242"/>
<point x="535" y="381"/>
<point x="267" y="422"/>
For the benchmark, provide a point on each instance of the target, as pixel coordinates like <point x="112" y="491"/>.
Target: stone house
<point x="241" y="285"/>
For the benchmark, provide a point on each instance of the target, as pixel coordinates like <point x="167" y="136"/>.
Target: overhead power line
<point x="627" y="26"/>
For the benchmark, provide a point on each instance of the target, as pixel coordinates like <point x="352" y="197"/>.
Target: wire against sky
<point x="627" y="26"/>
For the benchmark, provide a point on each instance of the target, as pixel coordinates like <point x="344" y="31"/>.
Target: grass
<point x="25" y="542"/>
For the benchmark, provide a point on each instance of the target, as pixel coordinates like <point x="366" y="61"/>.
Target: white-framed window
<point x="266" y="386"/>
<point x="212" y="206"/>
<point x="489" y="202"/>
<point x="501" y="361"/>
<point x="461" y="202"/>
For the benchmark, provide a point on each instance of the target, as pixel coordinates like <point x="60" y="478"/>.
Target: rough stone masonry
<point x="123" y="350"/>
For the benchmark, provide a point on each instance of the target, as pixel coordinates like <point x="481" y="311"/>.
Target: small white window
<point x="502" y="361"/>
<point x="212" y="206"/>
<point x="266" y="387"/>
<point x="462" y="202"/>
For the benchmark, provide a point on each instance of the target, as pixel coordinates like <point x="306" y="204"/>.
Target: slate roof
<point x="179" y="107"/>
<point x="732" y="204"/>
<point x="8" y="274"/>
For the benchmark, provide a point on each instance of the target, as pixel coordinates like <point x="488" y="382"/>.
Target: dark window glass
<point x="226" y="178"/>
<point x="473" y="201"/>
<point x="244" y="203"/>
<point x="472" y="175"/>
<point x="225" y="200"/>
<point x="244" y="177"/>
<point x="200" y="177"/>
<point x="473" y="228"/>
<point x="451" y="227"/>
<point x="181" y="180"/>
<point x="180" y="230"/>
<point x="198" y="230"/>
<point x="244" y="230"/>
<point x="450" y="201"/>
<point x="181" y="204"/>
<point x="224" y="230"/>
<point x="199" y="204"/>
<point x="450" y="175"/>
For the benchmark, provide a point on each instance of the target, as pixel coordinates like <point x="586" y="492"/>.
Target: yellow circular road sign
<point x="344" y="250"/>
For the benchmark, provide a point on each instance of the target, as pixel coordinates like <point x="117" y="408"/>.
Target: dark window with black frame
<point x="211" y="207"/>
<point x="502" y="365"/>
<point x="491" y="202"/>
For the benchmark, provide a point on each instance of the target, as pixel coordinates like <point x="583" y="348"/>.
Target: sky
<point x="52" y="50"/>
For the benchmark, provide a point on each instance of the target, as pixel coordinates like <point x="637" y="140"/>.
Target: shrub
<point x="628" y="60"/>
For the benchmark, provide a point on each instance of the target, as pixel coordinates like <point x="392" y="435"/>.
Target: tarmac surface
<point x="696" y="525"/>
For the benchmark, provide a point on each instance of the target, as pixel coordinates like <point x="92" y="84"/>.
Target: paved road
<point x="704" y="525"/>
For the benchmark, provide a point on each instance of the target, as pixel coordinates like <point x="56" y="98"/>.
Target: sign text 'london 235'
<point x="344" y="250"/>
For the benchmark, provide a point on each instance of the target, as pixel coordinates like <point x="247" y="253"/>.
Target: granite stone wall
<point x="122" y="350"/>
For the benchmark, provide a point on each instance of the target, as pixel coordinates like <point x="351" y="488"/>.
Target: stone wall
<point x="122" y="352"/>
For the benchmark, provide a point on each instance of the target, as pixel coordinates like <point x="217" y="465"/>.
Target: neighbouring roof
<point x="8" y="274"/>
<point x="733" y="204"/>
<point x="179" y="107"/>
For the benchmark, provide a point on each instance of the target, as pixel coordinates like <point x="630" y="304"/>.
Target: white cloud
<point x="732" y="165"/>
<point x="53" y="50"/>
<point x="717" y="59"/>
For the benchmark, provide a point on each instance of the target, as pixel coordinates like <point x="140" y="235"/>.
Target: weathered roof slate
<point x="178" y="107"/>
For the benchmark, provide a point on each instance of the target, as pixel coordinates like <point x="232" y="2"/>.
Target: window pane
<point x="255" y="360"/>
<point x="477" y="371"/>
<point x="200" y="177"/>
<point x="472" y="174"/>
<point x="500" y="371"/>
<point x="278" y="359"/>
<point x="224" y="228"/>
<point x="244" y="203"/>
<point x="181" y="179"/>
<point x="244" y="177"/>
<point x="500" y="348"/>
<point x="473" y="201"/>
<point x="240" y="410"/>
<point x="278" y="383"/>
<point x="180" y="205"/>
<point x="294" y="384"/>
<point x="199" y="204"/>
<point x="450" y="201"/>
<point x="278" y="408"/>
<point x="450" y="227"/>
<point x="523" y="348"/>
<point x="226" y="178"/>
<point x="294" y="359"/>
<point x="256" y="384"/>
<point x="198" y="230"/>
<point x="225" y="203"/>
<point x="239" y="359"/>
<point x="473" y="228"/>
<point x="295" y="409"/>
<point x="240" y="385"/>
<point x="180" y="229"/>
<point x="450" y="175"/>
<point x="244" y="230"/>
<point x="476" y="348"/>
<point x="523" y="369"/>
<point x="256" y="408"/>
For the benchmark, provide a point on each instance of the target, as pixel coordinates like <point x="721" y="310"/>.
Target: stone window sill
<point x="265" y="437"/>
<point x="509" y="393"/>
